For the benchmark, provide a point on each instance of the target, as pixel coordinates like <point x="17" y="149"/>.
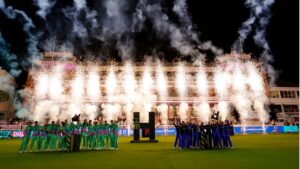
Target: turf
<point x="251" y="151"/>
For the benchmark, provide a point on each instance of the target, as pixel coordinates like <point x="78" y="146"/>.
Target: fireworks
<point x="113" y="91"/>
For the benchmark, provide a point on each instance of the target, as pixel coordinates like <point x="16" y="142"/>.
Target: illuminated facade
<point x="7" y="93"/>
<point x="146" y="84"/>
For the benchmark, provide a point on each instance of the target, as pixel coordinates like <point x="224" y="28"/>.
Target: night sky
<point x="214" y="20"/>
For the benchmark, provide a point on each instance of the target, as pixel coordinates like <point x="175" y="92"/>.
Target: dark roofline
<point x="280" y="83"/>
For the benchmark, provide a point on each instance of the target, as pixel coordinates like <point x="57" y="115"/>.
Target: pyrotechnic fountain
<point x="161" y="86"/>
<point x="181" y="87"/>
<point x="110" y="91"/>
<point x="203" y="109"/>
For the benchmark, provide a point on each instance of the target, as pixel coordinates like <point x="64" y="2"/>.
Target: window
<point x="277" y="109"/>
<point x="282" y="93"/>
<point x="288" y="94"/>
<point x="274" y="94"/>
<point x="293" y="94"/>
<point x="212" y="92"/>
<point x="1" y="116"/>
<point x="290" y="108"/>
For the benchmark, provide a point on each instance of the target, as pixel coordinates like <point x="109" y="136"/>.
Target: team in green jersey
<point x="54" y="136"/>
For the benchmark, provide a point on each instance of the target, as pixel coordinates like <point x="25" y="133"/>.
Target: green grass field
<point x="251" y="151"/>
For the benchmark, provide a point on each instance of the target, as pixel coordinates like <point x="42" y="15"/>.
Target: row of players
<point x="54" y="136"/>
<point x="215" y="134"/>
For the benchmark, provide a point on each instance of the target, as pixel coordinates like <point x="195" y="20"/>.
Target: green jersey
<point x="105" y="128"/>
<point x="27" y="131"/>
<point x="76" y="128"/>
<point x="66" y="129"/>
<point x="91" y="129"/>
<point x="114" y="128"/>
<point x="47" y="128"/>
<point x="84" y="128"/>
<point x="36" y="130"/>
<point x="52" y="128"/>
<point x="58" y="130"/>
<point x="99" y="129"/>
<point x="43" y="132"/>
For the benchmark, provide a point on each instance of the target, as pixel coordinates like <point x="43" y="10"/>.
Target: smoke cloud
<point x="44" y="7"/>
<point x="9" y="59"/>
<point x="28" y="26"/>
<point x="108" y="28"/>
<point x="260" y="14"/>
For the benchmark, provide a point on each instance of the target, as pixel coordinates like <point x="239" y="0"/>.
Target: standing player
<point x="90" y="134"/>
<point x="222" y="134"/>
<point x="105" y="134"/>
<point x="43" y="137"/>
<point x="176" y="125"/>
<point x="216" y="135"/>
<point x="56" y="137"/>
<point x="100" y="136"/>
<point x="48" y="128"/>
<point x="26" y="138"/>
<point x="202" y="139"/>
<point x="75" y="128"/>
<point x="52" y="136"/>
<point x="227" y="131"/>
<point x="183" y="135"/>
<point x="114" y="137"/>
<point x="35" y="135"/>
<point x="208" y="134"/>
<point x="111" y="134"/>
<point x="196" y="140"/>
<point x="189" y="137"/>
<point x="84" y="134"/>
<point x="94" y="136"/>
<point x="180" y="133"/>
<point x="66" y="132"/>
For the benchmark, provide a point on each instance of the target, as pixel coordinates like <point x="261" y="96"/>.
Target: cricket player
<point x="179" y="130"/>
<point x="176" y="125"/>
<point x="202" y="136"/>
<point x="114" y="132"/>
<point x="182" y="140"/>
<point x="66" y="132"/>
<point x="216" y="135"/>
<point x="51" y="134"/>
<point x="100" y="136"/>
<point x="189" y="136"/>
<point x="43" y="136"/>
<point x="111" y="134"/>
<point x="208" y="134"/>
<point x="105" y="134"/>
<point x="58" y="134"/>
<point x="196" y="136"/>
<point x="35" y="135"/>
<point x="94" y="136"/>
<point x="26" y="138"/>
<point x="84" y="134"/>
<point x="55" y="131"/>
<point x="76" y="132"/>
<point x="227" y="129"/>
<point x="90" y="134"/>
<point x="222" y="134"/>
<point x="48" y="128"/>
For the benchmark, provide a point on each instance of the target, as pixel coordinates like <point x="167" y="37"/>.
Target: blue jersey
<point x="227" y="129"/>
<point x="217" y="129"/>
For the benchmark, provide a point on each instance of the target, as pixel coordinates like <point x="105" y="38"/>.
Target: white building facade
<point x="285" y="102"/>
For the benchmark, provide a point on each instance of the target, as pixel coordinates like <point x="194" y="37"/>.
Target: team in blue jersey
<point x="213" y="135"/>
